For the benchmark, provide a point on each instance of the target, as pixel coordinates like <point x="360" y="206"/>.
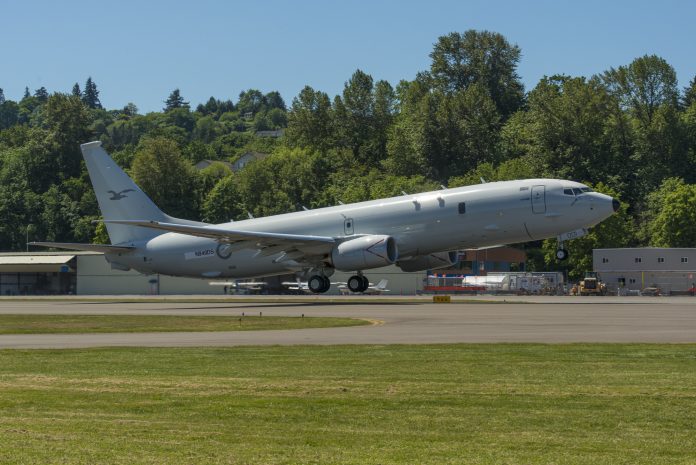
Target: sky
<point x="139" y="51"/>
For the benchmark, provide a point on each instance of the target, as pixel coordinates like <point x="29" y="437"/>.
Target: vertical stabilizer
<point x="119" y="197"/>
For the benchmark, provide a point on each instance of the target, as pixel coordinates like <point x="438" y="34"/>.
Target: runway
<point x="396" y="321"/>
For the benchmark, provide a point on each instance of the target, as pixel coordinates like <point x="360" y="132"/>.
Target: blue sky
<point x="138" y="51"/>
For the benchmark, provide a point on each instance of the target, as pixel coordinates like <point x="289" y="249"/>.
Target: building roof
<point x="27" y="263"/>
<point x="274" y="133"/>
<point x="203" y="164"/>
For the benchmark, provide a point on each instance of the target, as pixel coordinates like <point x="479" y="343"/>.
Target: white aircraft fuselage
<point x="416" y="232"/>
<point x="494" y="213"/>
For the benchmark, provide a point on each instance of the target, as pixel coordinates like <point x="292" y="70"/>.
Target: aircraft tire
<point x="317" y="284"/>
<point x="365" y="283"/>
<point x="356" y="283"/>
<point x="327" y="284"/>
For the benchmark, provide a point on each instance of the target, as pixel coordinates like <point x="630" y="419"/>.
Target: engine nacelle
<point x="431" y="261"/>
<point x="364" y="252"/>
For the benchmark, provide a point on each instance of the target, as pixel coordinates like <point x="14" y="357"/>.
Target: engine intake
<point x="431" y="261"/>
<point x="364" y="252"/>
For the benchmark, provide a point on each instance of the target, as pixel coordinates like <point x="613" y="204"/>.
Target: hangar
<point x="672" y="270"/>
<point x="40" y="273"/>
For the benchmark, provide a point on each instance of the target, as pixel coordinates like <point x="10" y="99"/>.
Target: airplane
<point x="372" y="289"/>
<point x="298" y="286"/>
<point x="415" y="232"/>
<point x="237" y="286"/>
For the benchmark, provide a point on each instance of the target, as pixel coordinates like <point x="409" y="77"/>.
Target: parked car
<point x="654" y="291"/>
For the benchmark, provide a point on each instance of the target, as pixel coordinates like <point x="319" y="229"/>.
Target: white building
<point x="670" y="270"/>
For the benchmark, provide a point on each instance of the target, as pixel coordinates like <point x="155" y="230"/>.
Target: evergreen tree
<point x="76" y="90"/>
<point x="91" y="95"/>
<point x="26" y="92"/>
<point x="41" y="94"/>
<point x="2" y="96"/>
<point x="690" y="93"/>
<point x="175" y="100"/>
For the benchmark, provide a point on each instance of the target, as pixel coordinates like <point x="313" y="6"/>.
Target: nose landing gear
<point x="561" y="252"/>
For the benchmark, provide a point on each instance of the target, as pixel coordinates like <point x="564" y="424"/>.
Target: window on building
<point x="605" y="260"/>
<point x="638" y="260"/>
<point x="632" y="280"/>
<point x="462" y="208"/>
<point x="685" y="259"/>
<point x="660" y="259"/>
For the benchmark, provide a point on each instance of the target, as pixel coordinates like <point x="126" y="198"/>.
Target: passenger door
<point x="539" y="199"/>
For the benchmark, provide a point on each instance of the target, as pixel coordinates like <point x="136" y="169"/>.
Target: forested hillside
<point x="629" y="131"/>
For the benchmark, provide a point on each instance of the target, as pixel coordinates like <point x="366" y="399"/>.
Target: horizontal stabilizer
<point x="105" y="248"/>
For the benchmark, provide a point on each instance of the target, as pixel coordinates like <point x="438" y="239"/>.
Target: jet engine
<point x="364" y="252"/>
<point x="431" y="261"/>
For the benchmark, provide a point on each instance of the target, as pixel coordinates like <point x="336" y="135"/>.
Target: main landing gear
<point x="358" y="283"/>
<point x="319" y="283"/>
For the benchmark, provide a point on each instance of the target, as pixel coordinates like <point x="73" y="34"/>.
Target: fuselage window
<point x="462" y="208"/>
<point x="568" y="191"/>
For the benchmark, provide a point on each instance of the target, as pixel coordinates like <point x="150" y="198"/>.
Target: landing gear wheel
<point x="327" y="284"/>
<point x="365" y="283"/>
<point x="561" y="254"/>
<point x="318" y="284"/>
<point x="355" y="283"/>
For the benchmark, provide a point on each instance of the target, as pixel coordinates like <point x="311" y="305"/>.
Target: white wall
<point x="95" y="277"/>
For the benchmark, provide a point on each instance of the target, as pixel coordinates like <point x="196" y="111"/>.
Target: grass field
<point x="448" y="404"/>
<point x="39" y="324"/>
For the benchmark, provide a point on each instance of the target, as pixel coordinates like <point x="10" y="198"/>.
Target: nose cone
<point x="615" y="205"/>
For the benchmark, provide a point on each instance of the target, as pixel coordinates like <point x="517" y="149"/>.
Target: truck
<point x="592" y="285"/>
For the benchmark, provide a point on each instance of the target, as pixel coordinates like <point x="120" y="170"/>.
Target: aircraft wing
<point x="104" y="248"/>
<point x="293" y="246"/>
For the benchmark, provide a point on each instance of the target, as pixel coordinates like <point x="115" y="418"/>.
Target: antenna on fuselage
<point x="443" y="187"/>
<point x="251" y="217"/>
<point x="483" y="181"/>
<point x="403" y="193"/>
<point x="304" y="208"/>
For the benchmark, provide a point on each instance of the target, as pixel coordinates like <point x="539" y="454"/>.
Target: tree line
<point x="629" y="131"/>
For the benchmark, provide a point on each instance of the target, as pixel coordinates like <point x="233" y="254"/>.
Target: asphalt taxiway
<point x="395" y="321"/>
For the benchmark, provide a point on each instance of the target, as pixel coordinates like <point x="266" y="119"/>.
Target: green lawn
<point x="38" y="324"/>
<point x="479" y="404"/>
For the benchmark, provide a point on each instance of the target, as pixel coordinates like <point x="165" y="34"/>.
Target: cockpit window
<point x="577" y="191"/>
<point x="568" y="191"/>
<point x="586" y="189"/>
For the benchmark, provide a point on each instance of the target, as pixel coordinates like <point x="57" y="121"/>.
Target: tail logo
<point x="119" y="195"/>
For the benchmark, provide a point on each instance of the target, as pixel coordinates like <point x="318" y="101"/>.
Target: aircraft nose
<point x="615" y="205"/>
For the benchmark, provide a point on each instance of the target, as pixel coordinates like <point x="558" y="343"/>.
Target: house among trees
<point x="245" y="159"/>
<point x="203" y="164"/>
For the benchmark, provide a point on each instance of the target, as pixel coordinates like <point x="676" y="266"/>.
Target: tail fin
<point x="120" y="198"/>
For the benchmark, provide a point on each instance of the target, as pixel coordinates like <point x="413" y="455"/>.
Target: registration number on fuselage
<point x="199" y="254"/>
